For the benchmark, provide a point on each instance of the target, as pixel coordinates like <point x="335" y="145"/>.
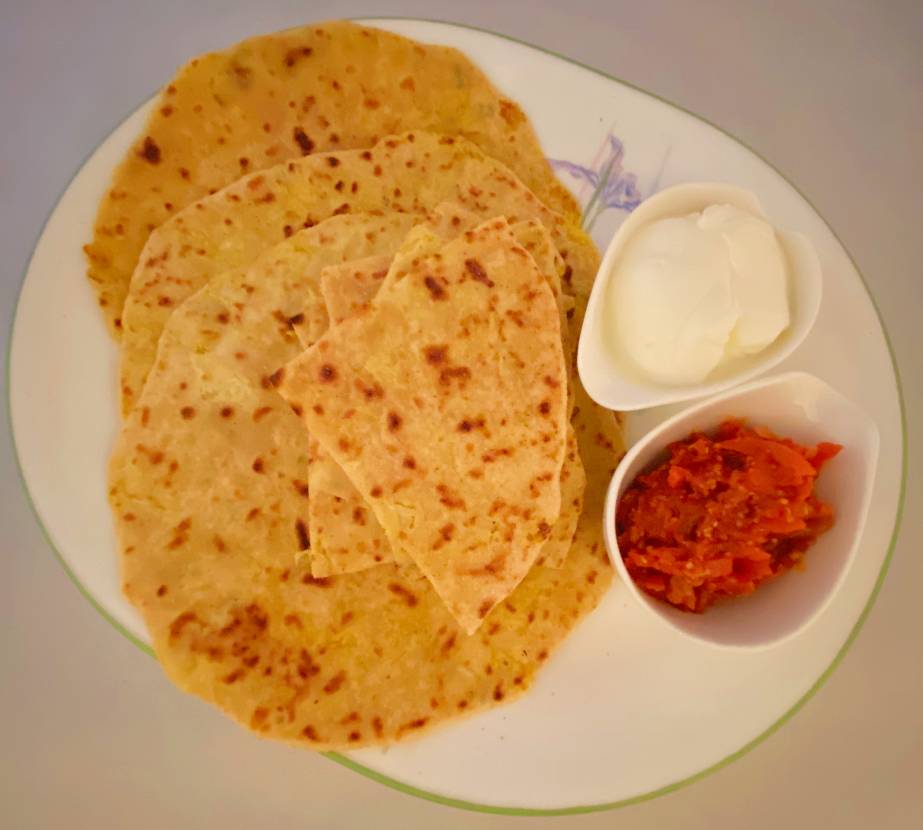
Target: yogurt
<point x="692" y="292"/>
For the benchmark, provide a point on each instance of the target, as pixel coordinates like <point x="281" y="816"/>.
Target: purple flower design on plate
<point x="613" y="187"/>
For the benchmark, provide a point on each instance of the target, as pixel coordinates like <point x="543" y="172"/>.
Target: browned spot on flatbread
<point x="416" y="723"/>
<point x="436" y="355"/>
<point x="473" y="267"/>
<point x="181" y="622"/>
<point x="450" y="498"/>
<point x="302" y="140"/>
<point x="292" y="56"/>
<point x="436" y="287"/>
<point x="149" y="151"/>
<point x="404" y="593"/>
<point x="301" y="531"/>
<point x="333" y="685"/>
<point x="462" y="374"/>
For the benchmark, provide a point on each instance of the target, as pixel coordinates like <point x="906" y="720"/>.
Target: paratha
<point x="340" y="545"/>
<point x="213" y="457"/>
<point x="211" y="478"/>
<point x="332" y="86"/>
<point x="361" y="659"/>
<point x="412" y="173"/>
<point x="446" y="405"/>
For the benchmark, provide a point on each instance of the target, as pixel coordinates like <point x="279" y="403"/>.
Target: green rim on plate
<point x="355" y="766"/>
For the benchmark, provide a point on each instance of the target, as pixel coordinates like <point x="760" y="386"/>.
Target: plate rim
<point x="345" y="760"/>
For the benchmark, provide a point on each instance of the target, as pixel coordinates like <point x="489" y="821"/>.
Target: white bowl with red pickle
<point x="795" y="405"/>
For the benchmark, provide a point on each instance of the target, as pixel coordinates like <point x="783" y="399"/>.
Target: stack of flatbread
<point x="358" y="488"/>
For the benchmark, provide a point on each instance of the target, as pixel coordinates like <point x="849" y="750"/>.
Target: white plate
<point x="627" y="708"/>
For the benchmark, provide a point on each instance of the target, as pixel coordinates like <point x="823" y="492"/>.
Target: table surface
<point x="829" y="92"/>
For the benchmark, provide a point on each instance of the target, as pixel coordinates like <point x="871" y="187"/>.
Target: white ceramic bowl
<point x="610" y="384"/>
<point x="794" y="405"/>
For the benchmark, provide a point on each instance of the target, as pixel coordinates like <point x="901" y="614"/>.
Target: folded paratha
<point x="446" y="404"/>
<point x="338" y="544"/>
